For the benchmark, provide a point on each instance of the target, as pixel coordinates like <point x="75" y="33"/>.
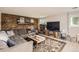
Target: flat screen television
<point x="53" y="26"/>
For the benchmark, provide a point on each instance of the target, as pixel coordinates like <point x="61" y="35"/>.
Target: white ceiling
<point x="36" y="11"/>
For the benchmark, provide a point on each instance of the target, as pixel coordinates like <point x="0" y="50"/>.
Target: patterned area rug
<point x="50" y="45"/>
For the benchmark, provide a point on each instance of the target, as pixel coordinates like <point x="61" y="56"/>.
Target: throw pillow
<point x="3" y="45"/>
<point x="10" y="43"/>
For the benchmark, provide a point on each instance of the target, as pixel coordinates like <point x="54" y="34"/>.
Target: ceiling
<point x="37" y="11"/>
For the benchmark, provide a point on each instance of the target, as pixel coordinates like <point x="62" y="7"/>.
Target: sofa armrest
<point x="24" y="47"/>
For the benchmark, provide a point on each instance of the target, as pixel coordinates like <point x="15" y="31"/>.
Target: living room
<point x="39" y="29"/>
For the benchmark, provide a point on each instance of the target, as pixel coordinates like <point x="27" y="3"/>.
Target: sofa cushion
<point x="3" y="36"/>
<point x="3" y="45"/>
<point x="18" y="39"/>
<point x="10" y="33"/>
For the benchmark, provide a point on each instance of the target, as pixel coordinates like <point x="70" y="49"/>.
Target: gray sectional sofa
<point x="21" y="44"/>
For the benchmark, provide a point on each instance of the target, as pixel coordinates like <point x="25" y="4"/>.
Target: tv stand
<point x="55" y="34"/>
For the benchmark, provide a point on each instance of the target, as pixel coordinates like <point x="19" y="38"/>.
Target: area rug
<point x="49" y="45"/>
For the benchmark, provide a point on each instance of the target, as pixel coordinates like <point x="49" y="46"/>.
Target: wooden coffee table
<point x="37" y="38"/>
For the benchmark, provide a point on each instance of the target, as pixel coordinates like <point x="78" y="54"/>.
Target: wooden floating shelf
<point x="25" y="23"/>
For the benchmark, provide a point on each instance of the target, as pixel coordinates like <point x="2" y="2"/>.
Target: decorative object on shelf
<point x="32" y="20"/>
<point x="27" y="20"/>
<point x="22" y="20"/>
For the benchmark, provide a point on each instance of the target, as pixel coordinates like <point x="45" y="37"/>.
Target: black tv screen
<point x="53" y="26"/>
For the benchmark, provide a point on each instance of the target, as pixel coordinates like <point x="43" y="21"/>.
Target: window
<point x="42" y="21"/>
<point x="74" y="22"/>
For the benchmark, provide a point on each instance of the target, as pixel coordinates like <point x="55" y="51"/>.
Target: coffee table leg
<point x="36" y="45"/>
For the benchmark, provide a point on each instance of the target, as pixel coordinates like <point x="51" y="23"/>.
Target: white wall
<point x="74" y="30"/>
<point x="0" y="20"/>
<point x="64" y="23"/>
